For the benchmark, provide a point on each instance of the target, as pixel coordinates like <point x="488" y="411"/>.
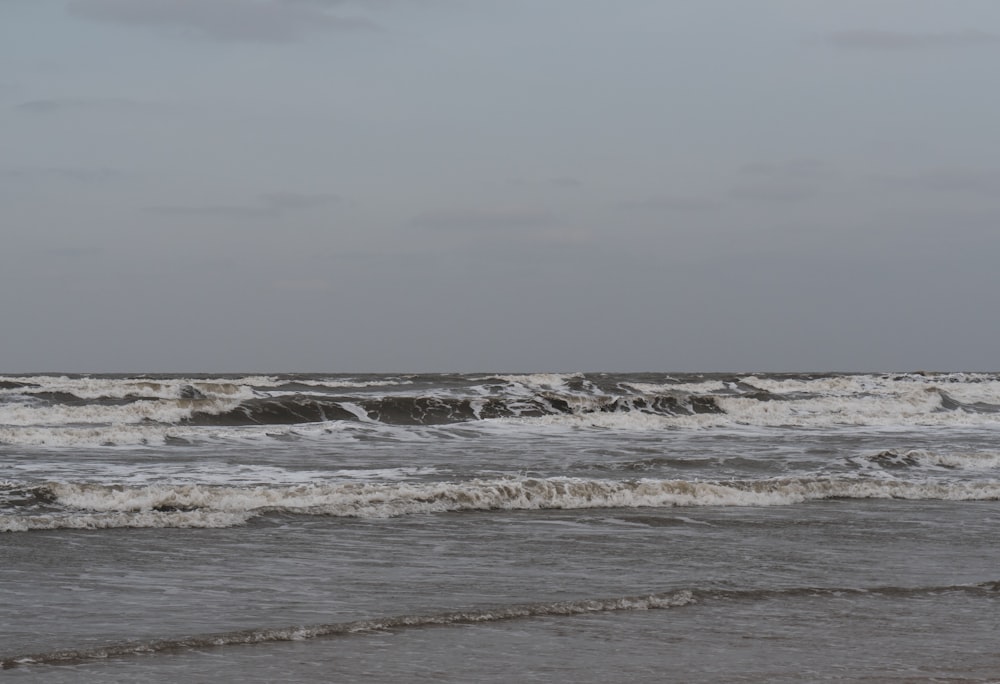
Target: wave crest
<point x="194" y="505"/>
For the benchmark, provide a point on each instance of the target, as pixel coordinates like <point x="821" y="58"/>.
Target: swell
<point x="85" y="505"/>
<point x="492" y="614"/>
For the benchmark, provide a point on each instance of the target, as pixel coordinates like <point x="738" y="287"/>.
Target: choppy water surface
<point x="544" y="527"/>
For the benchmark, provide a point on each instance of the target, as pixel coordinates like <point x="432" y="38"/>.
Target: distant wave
<point x="93" y="506"/>
<point x="69" y="411"/>
<point x="472" y="616"/>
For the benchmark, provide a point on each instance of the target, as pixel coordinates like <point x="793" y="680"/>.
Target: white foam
<point x="383" y="474"/>
<point x="333" y="383"/>
<point x="986" y="392"/>
<point x="911" y="406"/>
<point x="859" y="401"/>
<point x="66" y="437"/>
<point x="630" y="421"/>
<point x="967" y="388"/>
<point x="151" y="434"/>
<point x="141" y="519"/>
<point x="203" y="473"/>
<point x="877" y="401"/>
<point x="837" y="385"/>
<point x="964" y="461"/>
<point x="123" y="388"/>
<point x="543" y="381"/>
<point x="706" y="387"/>
<point x="972" y="461"/>
<point x="160" y="411"/>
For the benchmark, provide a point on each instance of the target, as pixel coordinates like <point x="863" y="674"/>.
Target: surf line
<point x="256" y="636"/>
<point x="671" y="599"/>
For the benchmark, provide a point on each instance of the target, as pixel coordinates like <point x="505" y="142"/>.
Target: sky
<point x="526" y="185"/>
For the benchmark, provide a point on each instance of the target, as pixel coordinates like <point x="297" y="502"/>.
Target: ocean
<point x="594" y="527"/>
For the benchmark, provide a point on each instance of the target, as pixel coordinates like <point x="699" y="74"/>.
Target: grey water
<point x="852" y="538"/>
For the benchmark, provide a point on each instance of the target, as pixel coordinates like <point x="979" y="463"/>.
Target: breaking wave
<point x="64" y="411"/>
<point x="84" y="505"/>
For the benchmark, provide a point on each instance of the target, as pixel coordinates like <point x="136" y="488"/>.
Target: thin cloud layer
<point x="556" y="182"/>
<point x="774" y="192"/>
<point x="34" y="174"/>
<point x="64" y="104"/>
<point x="658" y="204"/>
<point x="480" y="219"/>
<point x="232" y="20"/>
<point x="271" y="205"/>
<point x="873" y="39"/>
<point x="782" y="182"/>
<point x="284" y="201"/>
<point x="974" y="181"/>
<point x="739" y="182"/>
<point x="791" y="169"/>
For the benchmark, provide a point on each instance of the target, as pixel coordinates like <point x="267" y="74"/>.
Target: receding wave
<point x="654" y="601"/>
<point x="85" y="505"/>
<point x="296" y="633"/>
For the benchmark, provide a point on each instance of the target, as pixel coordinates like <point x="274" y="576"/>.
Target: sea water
<point x="480" y="527"/>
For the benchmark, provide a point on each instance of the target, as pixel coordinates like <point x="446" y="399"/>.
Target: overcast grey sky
<point x="431" y="185"/>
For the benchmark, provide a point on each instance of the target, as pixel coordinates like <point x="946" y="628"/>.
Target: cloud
<point x="271" y="205"/>
<point x="565" y="182"/>
<point x="790" y="180"/>
<point x="774" y="192"/>
<point x="873" y="39"/>
<point x="791" y="169"/>
<point x="669" y="204"/>
<point x="64" y="104"/>
<point x="228" y="20"/>
<point x="480" y="219"/>
<point x="296" y="200"/>
<point x="560" y="182"/>
<point x="303" y="285"/>
<point x="973" y="181"/>
<point x="216" y="210"/>
<point x="73" y="252"/>
<point x="60" y="173"/>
